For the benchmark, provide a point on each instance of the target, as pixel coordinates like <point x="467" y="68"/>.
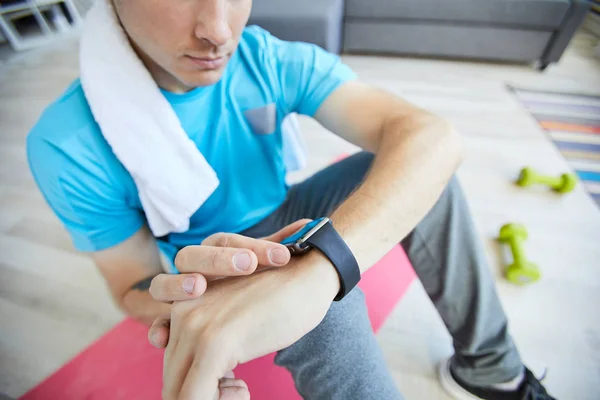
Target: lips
<point x="208" y="63"/>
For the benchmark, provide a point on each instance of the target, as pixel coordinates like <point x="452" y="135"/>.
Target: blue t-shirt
<point x="94" y="195"/>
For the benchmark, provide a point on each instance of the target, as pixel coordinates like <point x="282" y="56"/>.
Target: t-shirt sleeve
<point x="92" y="209"/>
<point x="306" y="73"/>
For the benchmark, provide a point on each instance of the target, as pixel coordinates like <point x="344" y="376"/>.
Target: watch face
<point x="304" y="233"/>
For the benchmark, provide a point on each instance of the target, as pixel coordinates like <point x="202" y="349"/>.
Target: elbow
<point x="436" y="136"/>
<point x="449" y="142"/>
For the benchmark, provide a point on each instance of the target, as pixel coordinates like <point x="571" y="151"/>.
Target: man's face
<point x="184" y="43"/>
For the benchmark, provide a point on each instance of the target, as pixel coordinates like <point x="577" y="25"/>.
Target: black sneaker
<point x="530" y="389"/>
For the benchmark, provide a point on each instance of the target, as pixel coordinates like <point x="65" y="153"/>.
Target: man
<point x="400" y="190"/>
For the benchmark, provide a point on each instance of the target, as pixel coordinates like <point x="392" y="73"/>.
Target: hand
<point x="170" y="288"/>
<point x="213" y="260"/>
<point x="238" y="320"/>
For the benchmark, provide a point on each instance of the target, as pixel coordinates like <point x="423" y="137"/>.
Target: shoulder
<point x="66" y="146"/>
<point x="286" y="58"/>
<point x="256" y="36"/>
<point x="279" y="60"/>
<point x="64" y="119"/>
<point x="261" y="43"/>
<point x="301" y="75"/>
<point x="79" y="175"/>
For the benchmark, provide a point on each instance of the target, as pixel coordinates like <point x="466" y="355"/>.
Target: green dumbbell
<point x="562" y="184"/>
<point x="521" y="271"/>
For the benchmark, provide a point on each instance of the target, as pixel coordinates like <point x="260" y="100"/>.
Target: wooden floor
<point x="53" y="303"/>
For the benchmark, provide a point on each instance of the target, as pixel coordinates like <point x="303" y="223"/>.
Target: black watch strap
<point x="330" y="243"/>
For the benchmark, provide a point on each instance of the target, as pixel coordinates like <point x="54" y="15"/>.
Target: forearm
<point x="415" y="159"/>
<point x="137" y="259"/>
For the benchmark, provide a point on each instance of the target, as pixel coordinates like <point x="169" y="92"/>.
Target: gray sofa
<point x="314" y="21"/>
<point x="507" y="30"/>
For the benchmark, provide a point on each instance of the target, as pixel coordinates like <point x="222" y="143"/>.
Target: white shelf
<point x="36" y="8"/>
<point x="27" y="5"/>
<point x="25" y="12"/>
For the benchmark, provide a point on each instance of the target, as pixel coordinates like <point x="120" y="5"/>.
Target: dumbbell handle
<point x="518" y="250"/>
<point x="552" y="181"/>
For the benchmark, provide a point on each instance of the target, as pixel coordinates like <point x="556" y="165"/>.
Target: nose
<point x="213" y="24"/>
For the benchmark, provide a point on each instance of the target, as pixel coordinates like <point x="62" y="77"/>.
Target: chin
<point x="202" y="78"/>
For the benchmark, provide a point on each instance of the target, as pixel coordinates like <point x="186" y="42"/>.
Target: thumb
<point x="158" y="334"/>
<point x="287" y="231"/>
<point x="233" y="389"/>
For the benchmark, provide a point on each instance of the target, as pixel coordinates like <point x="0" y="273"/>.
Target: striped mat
<point x="572" y="121"/>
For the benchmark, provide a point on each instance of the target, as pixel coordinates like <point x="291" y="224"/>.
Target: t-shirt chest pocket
<point x="262" y="120"/>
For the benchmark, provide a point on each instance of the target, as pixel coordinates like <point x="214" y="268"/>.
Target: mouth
<point x="208" y="63"/>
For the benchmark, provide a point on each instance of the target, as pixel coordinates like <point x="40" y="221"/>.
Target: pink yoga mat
<point x="122" y="365"/>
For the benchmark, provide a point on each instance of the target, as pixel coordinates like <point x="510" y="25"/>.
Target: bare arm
<point x="416" y="153"/>
<point x="128" y="263"/>
<point x="129" y="267"/>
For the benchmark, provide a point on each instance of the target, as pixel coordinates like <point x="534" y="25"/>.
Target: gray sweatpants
<point x="340" y="359"/>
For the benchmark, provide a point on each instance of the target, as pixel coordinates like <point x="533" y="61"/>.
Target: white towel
<point x="172" y="177"/>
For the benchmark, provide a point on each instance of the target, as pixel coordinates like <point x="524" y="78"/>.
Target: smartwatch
<point x="321" y="234"/>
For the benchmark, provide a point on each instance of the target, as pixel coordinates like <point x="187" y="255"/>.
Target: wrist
<point x="320" y="273"/>
<point x="330" y="251"/>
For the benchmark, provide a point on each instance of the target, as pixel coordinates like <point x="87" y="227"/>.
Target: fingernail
<point x="188" y="284"/>
<point x="278" y="256"/>
<point x="154" y="339"/>
<point x="229" y="375"/>
<point x="232" y="383"/>
<point x="242" y="261"/>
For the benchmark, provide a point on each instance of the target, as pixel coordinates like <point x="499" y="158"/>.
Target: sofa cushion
<point x="544" y="14"/>
<point x="444" y="40"/>
<point x="313" y="21"/>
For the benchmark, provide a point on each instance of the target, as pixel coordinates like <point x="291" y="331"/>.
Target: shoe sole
<point x="451" y="386"/>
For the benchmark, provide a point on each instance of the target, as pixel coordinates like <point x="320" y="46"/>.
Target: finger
<point x="233" y="389"/>
<point x="177" y="287"/>
<point x="229" y="375"/>
<point x="177" y="361"/>
<point x="287" y="231"/>
<point x="269" y="253"/>
<point x="158" y="335"/>
<point x="212" y="261"/>
<point x="199" y="382"/>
